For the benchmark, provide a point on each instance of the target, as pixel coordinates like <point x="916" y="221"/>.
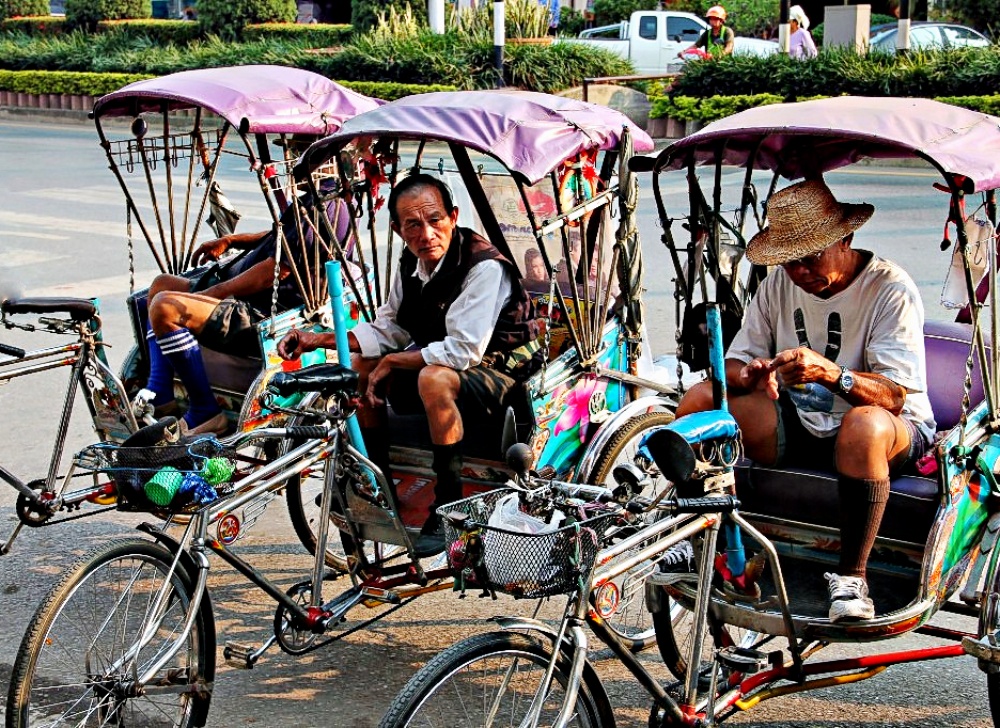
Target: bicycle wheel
<point x="622" y="602"/>
<point x="989" y="623"/>
<point x="302" y="494"/>
<point x="491" y="679"/>
<point x="674" y="632"/>
<point x="79" y="658"/>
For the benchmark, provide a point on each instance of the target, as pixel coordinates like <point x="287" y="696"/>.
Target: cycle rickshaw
<point x="538" y="171"/>
<point x="188" y="135"/>
<point x="753" y="627"/>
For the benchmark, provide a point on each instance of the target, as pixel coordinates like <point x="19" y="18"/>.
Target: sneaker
<point x="849" y="598"/>
<point x="216" y="425"/>
<point x="676" y="565"/>
<point x="431" y="540"/>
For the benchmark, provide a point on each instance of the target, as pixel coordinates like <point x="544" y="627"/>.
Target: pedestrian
<point x="800" y="44"/>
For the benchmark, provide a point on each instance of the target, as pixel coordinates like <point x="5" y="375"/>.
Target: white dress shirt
<point x="470" y="319"/>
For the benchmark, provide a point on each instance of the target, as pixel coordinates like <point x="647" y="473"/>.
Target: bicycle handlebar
<point x="13" y="351"/>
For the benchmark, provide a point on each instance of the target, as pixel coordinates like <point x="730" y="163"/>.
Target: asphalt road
<point x="62" y="230"/>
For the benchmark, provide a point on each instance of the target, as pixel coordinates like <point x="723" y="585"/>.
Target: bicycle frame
<point x="107" y="402"/>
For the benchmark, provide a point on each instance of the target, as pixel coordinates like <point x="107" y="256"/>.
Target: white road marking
<point x="25" y="234"/>
<point x="96" y="287"/>
<point x="13" y="258"/>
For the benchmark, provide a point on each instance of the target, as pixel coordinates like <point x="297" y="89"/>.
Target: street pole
<point x="435" y="16"/>
<point x="784" y="30"/>
<point x="903" y="35"/>
<point x="499" y="38"/>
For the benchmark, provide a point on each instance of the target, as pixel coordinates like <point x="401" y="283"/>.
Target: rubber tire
<point x="673" y="626"/>
<point x="640" y="634"/>
<point x="39" y="636"/>
<point x="989" y="622"/>
<point x="439" y="671"/>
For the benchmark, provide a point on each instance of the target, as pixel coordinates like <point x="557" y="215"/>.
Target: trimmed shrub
<point x="317" y="35"/>
<point x="571" y="22"/>
<point x="23" y="8"/>
<point x="690" y="108"/>
<point x="66" y="82"/>
<point x="364" y="13"/>
<point x="227" y="18"/>
<point x="42" y="26"/>
<point x="87" y="14"/>
<point x="159" y="32"/>
<point x="392" y="91"/>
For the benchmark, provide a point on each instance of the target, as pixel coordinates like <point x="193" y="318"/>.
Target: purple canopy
<point x="530" y="133"/>
<point x="272" y="99"/>
<point x="811" y="137"/>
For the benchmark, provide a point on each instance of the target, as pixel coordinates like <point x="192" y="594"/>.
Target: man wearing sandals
<point x="457" y="333"/>
<point x="828" y="370"/>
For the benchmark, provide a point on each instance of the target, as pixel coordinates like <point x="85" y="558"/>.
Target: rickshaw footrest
<point x="741" y="659"/>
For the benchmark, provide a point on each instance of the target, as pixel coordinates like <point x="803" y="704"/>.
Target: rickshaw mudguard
<point x="610" y="427"/>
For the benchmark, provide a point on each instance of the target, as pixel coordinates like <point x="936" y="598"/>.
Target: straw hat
<point x="804" y="219"/>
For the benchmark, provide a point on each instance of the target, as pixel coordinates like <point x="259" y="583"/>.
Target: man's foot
<point x="167" y="409"/>
<point x="215" y="425"/>
<point x="676" y="565"/>
<point x="431" y="539"/>
<point x="849" y="598"/>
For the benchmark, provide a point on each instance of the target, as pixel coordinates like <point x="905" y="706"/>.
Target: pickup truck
<point x="651" y="39"/>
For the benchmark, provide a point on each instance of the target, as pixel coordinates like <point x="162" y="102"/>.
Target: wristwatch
<point x="846" y="381"/>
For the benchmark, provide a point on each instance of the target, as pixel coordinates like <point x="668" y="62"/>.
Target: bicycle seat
<point x="324" y="378"/>
<point x="79" y="309"/>
<point x="670" y="446"/>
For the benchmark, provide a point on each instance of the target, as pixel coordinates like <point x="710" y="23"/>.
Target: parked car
<point x="651" y="39"/>
<point x="926" y="36"/>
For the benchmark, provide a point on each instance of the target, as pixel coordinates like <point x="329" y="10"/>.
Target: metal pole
<point x="499" y="36"/>
<point x="784" y="31"/>
<point x="435" y="16"/>
<point x="903" y="36"/>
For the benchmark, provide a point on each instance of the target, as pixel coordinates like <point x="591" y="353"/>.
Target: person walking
<point x="800" y="44"/>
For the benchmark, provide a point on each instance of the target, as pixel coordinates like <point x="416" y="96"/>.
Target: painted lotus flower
<point x="578" y="406"/>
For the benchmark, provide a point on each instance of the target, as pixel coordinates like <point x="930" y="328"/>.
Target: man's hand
<point x="211" y="250"/>
<point x="377" y="379"/>
<point x="296" y="343"/>
<point x="757" y="375"/>
<point x="802" y="366"/>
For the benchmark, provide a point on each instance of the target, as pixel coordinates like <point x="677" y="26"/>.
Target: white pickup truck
<point x="651" y="39"/>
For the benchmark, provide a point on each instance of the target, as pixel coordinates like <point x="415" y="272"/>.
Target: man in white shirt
<point x="456" y="334"/>
<point x="859" y="407"/>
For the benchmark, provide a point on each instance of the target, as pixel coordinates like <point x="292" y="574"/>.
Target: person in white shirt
<point x="800" y="43"/>
<point x="828" y="370"/>
<point x="455" y="336"/>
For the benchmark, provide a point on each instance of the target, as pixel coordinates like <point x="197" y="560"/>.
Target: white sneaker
<point x="677" y="564"/>
<point x="849" y="598"/>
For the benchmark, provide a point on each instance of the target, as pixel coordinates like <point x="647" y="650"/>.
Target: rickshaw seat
<point x="810" y="496"/>
<point x="79" y="309"/>
<point x="230" y="372"/>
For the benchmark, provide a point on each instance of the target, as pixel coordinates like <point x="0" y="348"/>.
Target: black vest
<point x="423" y="309"/>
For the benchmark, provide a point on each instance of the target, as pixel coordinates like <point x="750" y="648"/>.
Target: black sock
<point x="377" y="444"/>
<point x="448" y="470"/>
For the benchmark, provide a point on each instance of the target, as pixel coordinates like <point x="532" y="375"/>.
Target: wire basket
<point x="523" y="565"/>
<point x="155" y="479"/>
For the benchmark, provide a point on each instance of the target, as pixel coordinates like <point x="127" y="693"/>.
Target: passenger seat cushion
<point x="947" y="347"/>
<point x="810" y="496"/>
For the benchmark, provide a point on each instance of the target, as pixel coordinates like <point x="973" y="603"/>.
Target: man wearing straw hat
<point x="828" y="370"/>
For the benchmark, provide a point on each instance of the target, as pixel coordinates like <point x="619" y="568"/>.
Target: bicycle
<point x="115" y="417"/>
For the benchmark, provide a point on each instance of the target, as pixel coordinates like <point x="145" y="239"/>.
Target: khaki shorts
<point x="231" y="328"/>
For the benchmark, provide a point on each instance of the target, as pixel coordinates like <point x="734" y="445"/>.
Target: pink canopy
<point x="530" y="133"/>
<point x="255" y="99"/>
<point x="808" y="138"/>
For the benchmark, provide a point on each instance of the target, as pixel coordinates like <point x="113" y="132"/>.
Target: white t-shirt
<point x="874" y="325"/>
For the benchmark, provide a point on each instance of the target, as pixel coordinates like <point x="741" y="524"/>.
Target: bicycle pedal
<point x="240" y="655"/>
<point x="744" y="660"/>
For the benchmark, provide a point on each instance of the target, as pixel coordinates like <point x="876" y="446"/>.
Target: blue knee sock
<point x="182" y="349"/>
<point x="161" y="372"/>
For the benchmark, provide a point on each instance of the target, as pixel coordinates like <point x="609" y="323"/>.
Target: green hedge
<point x="23" y="8"/>
<point x="964" y="72"/>
<point x="65" y="82"/>
<point x="693" y="108"/>
<point x="317" y="35"/>
<point x="88" y="13"/>
<point x="228" y="18"/>
<point x="98" y="84"/>
<point x="42" y="25"/>
<point x="159" y="32"/>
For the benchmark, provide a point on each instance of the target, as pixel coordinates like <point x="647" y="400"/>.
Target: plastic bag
<point x="955" y="293"/>
<point x="507" y="514"/>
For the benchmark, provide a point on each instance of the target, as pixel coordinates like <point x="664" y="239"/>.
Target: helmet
<point x="716" y="11"/>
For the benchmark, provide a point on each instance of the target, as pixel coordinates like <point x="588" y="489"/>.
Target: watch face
<point x="846" y="381"/>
